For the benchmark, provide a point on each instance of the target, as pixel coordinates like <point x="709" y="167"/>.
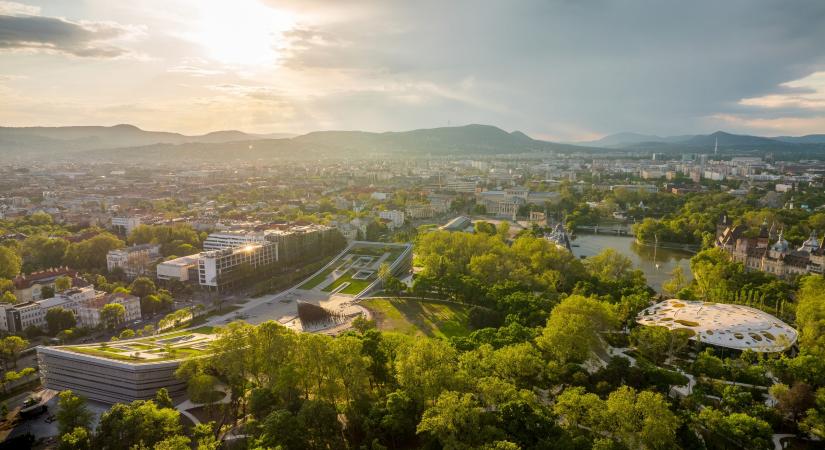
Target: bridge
<point x="616" y="229"/>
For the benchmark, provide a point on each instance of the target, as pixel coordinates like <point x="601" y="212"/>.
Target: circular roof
<point x="732" y="326"/>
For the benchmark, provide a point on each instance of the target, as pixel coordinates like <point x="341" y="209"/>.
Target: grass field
<point x="355" y="286"/>
<point x="317" y="279"/>
<point x="419" y="317"/>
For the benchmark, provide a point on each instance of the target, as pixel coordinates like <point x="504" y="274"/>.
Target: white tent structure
<point x="724" y="325"/>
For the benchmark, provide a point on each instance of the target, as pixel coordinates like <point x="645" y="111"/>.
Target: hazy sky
<point x="563" y="70"/>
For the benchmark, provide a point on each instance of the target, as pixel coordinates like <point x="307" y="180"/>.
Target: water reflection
<point x="656" y="271"/>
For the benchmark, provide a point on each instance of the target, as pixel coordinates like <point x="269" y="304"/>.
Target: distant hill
<point x="707" y="142"/>
<point x="456" y="141"/>
<point x="808" y="139"/>
<point x="61" y="140"/>
<point x="620" y="139"/>
<point x="729" y="140"/>
<point x="483" y="139"/>
<point x="130" y="143"/>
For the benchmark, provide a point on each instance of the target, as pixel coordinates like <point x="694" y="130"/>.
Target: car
<point x="32" y="407"/>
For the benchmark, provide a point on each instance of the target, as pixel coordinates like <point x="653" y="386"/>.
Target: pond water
<point x="641" y="255"/>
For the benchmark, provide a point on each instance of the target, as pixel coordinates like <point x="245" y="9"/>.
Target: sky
<point x="564" y="70"/>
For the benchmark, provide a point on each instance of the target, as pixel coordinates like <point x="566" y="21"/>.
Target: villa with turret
<point x="769" y="251"/>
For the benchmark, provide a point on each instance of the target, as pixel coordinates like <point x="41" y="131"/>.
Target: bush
<point x="480" y="317"/>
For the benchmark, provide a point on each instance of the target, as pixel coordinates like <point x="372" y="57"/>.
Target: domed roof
<point x="811" y="244"/>
<point x="781" y="245"/>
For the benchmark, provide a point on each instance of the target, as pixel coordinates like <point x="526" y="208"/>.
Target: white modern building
<point x="219" y="268"/>
<point x="394" y="216"/>
<point x="125" y="224"/>
<point x="106" y="380"/>
<point x="20" y="316"/>
<point x="231" y="239"/>
<point x="181" y="269"/>
<point x="468" y="187"/>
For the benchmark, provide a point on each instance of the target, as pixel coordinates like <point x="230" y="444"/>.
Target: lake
<point x="641" y="255"/>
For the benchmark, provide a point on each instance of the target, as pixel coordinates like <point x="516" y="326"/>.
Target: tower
<point x="716" y="147"/>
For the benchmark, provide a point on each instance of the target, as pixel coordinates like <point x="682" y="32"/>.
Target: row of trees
<point x="140" y="424"/>
<point x="41" y="252"/>
<point x="397" y="391"/>
<point x="174" y="240"/>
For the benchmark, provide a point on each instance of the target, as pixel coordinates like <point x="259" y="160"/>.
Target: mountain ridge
<point x="128" y="142"/>
<point x="631" y="141"/>
<point x="93" y="137"/>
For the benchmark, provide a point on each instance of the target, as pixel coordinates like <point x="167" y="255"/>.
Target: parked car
<point x="32" y="407"/>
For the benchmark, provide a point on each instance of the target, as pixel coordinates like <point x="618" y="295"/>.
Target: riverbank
<point x="690" y="248"/>
<point x="655" y="263"/>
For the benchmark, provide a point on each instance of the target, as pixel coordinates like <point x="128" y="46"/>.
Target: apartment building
<point x="417" y="210"/>
<point x="20" y="316"/>
<point x="81" y="301"/>
<point x="232" y="239"/>
<point x="88" y="311"/>
<point x="135" y="260"/>
<point x="296" y="242"/>
<point x="395" y="217"/>
<point x="232" y="254"/>
<point x="468" y="187"/>
<point x="29" y="288"/>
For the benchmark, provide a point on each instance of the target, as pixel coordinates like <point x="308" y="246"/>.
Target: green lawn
<point x="177" y="353"/>
<point x="419" y="317"/>
<point x="355" y="286"/>
<point x="317" y="279"/>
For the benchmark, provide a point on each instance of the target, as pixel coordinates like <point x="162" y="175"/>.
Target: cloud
<point x="661" y="67"/>
<point x="16" y="9"/>
<point x="554" y="68"/>
<point x="21" y="30"/>
<point x="195" y="71"/>
<point x="775" y="125"/>
<point x="807" y="93"/>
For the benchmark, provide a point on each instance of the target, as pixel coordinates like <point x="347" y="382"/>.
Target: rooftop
<point x="731" y="326"/>
<point x="163" y="347"/>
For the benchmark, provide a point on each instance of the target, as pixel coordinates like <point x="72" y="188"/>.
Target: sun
<point x="241" y="32"/>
